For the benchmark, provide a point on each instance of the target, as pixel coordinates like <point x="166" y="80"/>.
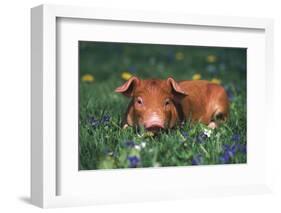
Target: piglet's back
<point x="204" y="100"/>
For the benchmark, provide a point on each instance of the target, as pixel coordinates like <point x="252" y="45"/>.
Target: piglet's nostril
<point x="154" y="127"/>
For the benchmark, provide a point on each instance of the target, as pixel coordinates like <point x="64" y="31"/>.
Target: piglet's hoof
<point x="125" y="126"/>
<point x="212" y="125"/>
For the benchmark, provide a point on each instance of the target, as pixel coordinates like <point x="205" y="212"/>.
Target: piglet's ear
<point x="176" y="87"/>
<point x="128" y="87"/>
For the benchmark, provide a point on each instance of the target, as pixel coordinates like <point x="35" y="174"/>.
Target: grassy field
<point x="103" y="144"/>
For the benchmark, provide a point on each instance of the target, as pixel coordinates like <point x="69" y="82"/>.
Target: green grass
<point x="103" y="144"/>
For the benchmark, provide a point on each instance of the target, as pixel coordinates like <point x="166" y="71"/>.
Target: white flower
<point x="137" y="147"/>
<point x="143" y="144"/>
<point x="140" y="135"/>
<point x="156" y="164"/>
<point x="207" y="132"/>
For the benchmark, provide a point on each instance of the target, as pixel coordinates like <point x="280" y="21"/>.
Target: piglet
<point x="162" y="104"/>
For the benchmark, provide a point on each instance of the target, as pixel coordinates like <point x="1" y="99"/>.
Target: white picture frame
<point x="45" y="165"/>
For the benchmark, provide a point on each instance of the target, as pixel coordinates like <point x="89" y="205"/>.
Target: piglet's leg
<point x="129" y="117"/>
<point x="219" y="106"/>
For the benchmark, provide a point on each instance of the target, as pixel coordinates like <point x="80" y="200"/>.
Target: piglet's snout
<point x="154" y="122"/>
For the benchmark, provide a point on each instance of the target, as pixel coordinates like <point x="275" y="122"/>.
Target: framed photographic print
<point x="130" y="106"/>
<point x="168" y="122"/>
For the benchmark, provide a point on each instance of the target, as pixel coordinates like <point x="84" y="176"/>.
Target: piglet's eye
<point x="167" y="102"/>
<point x="139" y="101"/>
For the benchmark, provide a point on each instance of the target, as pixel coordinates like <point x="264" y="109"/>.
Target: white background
<point x="15" y="105"/>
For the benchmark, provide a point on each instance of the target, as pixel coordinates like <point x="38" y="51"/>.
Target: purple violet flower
<point x="94" y="122"/>
<point x="241" y="148"/>
<point x="229" y="93"/>
<point x="229" y="152"/>
<point x="211" y="69"/>
<point x="132" y="69"/>
<point x="197" y="160"/>
<point x="185" y="135"/>
<point x="235" y="137"/>
<point x="105" y="119"/>
<point x="170" y="56"/>
<point x="201" y="137"/>
<point x="224" y="159"/>
<point x="133" y="161"/>
<point x="130" y="144"/>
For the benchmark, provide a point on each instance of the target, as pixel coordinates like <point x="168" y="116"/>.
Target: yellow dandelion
<point x="148" y="134"/>
<point x="211" y="58"/>
<point x="126" y="76"/>
<point x="88" y="78"/>
<point x="196" y="77"/>
<point x="216" y="81"/>
<point x="179" y="56"/>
